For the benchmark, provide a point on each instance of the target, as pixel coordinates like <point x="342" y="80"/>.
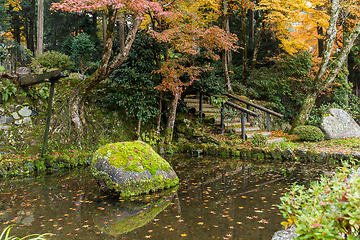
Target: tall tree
<point x="40" y="28"/>
<point x="328" y="68"/>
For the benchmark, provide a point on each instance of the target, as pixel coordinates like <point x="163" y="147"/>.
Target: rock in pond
<point x="131" y="168"/>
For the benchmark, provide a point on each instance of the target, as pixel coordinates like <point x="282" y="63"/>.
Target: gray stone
<point x="25" y="112"/>
<point x="4" y="127"/>
<point x="22" y="70"/>
<point x="339" y="124"/>
<point x="18" y="122"/>
<point x="15" y="115"/>
<point x="5" y="119"/>
<point x="288" y="234"/>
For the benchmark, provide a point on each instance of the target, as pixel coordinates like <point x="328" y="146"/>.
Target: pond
<point x="217" y="199"/>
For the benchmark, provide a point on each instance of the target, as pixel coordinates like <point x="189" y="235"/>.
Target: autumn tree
<point x="181" y="32"/>
<point x="333" y="55"/>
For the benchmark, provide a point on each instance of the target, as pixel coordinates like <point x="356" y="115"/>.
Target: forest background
<point x="144" y="57"/>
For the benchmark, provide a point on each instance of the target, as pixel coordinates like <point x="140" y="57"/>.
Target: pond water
<point x="217" y="199"/>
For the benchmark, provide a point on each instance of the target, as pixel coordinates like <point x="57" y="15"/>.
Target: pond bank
<point x="17" y="165"/>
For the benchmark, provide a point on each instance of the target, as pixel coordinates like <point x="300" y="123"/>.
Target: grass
<point x="6" y="232"/>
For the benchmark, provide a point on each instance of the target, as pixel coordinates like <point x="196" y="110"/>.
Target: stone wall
<point x="262" y="154"/>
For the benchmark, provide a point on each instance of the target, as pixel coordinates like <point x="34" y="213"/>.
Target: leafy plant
<point x="6" y="232"/>
<point x="309" y="133"/>
<point x="327" y="209"/>
<point x="258" y="140"/>
<point x="151" y="137"/>
<point x="7" y="88"/>
<point x="50" y="60"/>
<point x="82" y="49"/>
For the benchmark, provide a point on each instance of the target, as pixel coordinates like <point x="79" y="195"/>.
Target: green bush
<point x="328" y="209"/>
<point x="258" y="140"/>
<point x="309" y="133"/>
<point x="50" y="60"/>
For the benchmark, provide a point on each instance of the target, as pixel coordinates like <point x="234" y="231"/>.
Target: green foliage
<point x="327" y="209"/>
<point x="151" y="137"/>
<point x="284" y="84"/>
<point x="6" y="232"/>
<point x="7" y="89"/>
<point x="82" y="48"/>
<point x="133" y="85"/>
<point x="50" y="60"/>
<point x="258" y="140"/>
<point x="309" y="133"/>
<point x="2" y="69"/>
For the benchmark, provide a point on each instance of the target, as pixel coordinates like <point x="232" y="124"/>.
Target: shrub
<point x="258" y="140"/>
<point x="50" y="60"/>
<point x="328" y="209"/>
<point x="309" y="133"/>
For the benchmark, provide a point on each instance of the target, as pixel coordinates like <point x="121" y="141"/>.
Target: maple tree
<point x="181" y="25"/>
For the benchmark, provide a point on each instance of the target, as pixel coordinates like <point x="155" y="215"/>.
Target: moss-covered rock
<point x="131" y="168"/>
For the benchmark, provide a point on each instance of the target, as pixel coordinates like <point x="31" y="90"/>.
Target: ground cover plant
<point x="328" y="209"/>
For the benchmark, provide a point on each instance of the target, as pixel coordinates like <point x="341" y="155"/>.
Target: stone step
<point x="275" y="140"/>
<point x="190" y="100"/>
<point x="196" y="105"/>
<point x="247" y="129"/>
<point x="208" y="110"/>
<point x="251" y="135"/>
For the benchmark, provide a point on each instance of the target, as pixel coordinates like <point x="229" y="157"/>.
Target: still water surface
<point x="217" y="199"/>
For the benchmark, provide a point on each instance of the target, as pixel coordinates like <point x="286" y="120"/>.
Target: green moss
<point x="132" y="156"/>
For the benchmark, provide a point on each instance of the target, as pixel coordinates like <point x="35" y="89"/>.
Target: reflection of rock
<point x="131" y="168"/>
<point x="129" y="215"/>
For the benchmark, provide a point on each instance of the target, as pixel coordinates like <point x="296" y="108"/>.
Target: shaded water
<point x="217" y="199"/>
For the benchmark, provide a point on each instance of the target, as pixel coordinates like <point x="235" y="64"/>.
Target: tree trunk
<point x="104" y="29"/>
<point x="244" y="43"/>
<point x="122" y="33"/>
<point x="138" y="129"/>
<point x="256" y="52"/>
<point x="171" y="119"/>
<point x="225" y="54"/>
<point x="251" y="26"/>
<point x="40" y="28"/>
<point x="103" y="71"/>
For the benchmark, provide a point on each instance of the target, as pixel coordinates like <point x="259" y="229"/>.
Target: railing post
<point x="268" y="122"/>
<point x="222" y="119"/>
<point x="242" y="126"/>
<point x="200" y="105"/>
<point x="48" y="117"/>
<point x="248" y="115"/>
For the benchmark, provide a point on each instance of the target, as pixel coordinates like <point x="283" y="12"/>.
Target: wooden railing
<point x="241" y="109"/>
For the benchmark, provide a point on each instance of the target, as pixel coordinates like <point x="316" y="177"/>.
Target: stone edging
<point x="259" y="154"/>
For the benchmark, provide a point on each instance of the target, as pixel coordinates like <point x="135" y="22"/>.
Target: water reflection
<point x="126" y="215"/>
<point x="217" y="198"/>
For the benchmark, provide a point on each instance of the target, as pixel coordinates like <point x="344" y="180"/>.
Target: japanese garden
<point x="179" y="119"/>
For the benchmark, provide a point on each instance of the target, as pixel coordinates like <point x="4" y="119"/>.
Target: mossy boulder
<point x="131" y="168"/>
